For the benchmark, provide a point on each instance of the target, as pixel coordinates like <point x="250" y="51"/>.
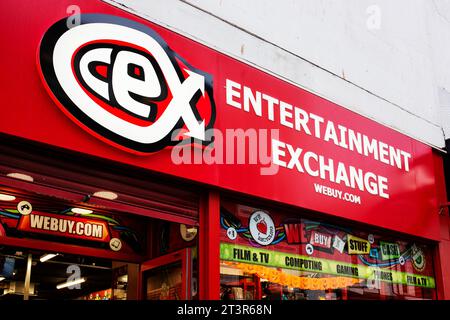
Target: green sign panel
<point x="389" y="251"/>
<point x="237" y="253"/>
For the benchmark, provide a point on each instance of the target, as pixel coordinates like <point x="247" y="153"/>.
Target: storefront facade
<point x="198" y="176"/>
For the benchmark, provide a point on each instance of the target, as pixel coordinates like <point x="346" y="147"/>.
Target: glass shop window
<point x="271" y="255"/>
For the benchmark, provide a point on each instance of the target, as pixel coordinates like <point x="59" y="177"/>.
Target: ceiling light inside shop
<point x="70" y="283"/>
<point x="2" y="278"/>
<point x="20" y="176"/>
<point x="105" y="195"/>
<point x="6" y="197"/>
<point x="81" y="211"/>
<point x="48" y="256"/>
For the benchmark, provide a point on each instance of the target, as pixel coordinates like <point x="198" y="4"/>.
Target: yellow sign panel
<point x="357" y="245"/>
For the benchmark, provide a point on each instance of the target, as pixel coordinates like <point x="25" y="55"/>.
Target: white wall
<point x="440" y="55"/>
<point x="388" y="60"/>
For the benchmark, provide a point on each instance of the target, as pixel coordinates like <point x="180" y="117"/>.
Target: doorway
<point x="169" y="277"/>
<point x="38" y="275"/>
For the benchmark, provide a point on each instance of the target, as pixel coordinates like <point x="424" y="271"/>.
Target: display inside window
<point x="277" y="256"/>
<point x="99" y="295"/>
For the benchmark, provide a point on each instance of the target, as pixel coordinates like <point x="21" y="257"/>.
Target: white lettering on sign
<point x="314" y="125"/>
<point x="289" y="157"/>
<point x="314" y="164"/>
<point x="338" y="194"/>
<point x="321" y="240"/>
<point x="121" y="81"/>
<point x="61" y="225"/>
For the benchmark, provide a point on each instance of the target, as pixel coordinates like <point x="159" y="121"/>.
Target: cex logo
<point x="120" y="81"/>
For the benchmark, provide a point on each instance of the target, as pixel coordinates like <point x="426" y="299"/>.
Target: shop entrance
<point x="38" y="275"/>
<point x="52" y="248"/>
<point x="128" y="232"/>
<point x="168" y="277"/>
<point x="27" y="274"/>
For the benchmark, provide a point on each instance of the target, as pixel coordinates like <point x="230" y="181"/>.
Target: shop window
<point x="272" y="255"/>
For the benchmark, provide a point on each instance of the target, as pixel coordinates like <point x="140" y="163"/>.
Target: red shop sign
<point x="64" y="226"/>
<point x="119" y="87"/>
